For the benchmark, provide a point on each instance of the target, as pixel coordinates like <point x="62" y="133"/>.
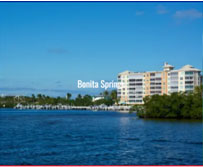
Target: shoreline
<point x="120" y="111"/>
<point x="67" y="107"/>
<point x="82" y="109"/>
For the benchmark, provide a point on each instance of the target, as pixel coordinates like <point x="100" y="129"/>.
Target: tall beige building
<point x="136" y="85"/>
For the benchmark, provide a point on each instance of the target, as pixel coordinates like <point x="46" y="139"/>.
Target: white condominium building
<point x="136" y="85"/>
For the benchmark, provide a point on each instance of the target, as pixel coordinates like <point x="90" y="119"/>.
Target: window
<point x="132" y="84"/>
<point x="131" y="100"/>
<point x="188" y="82"/>
<point x="132" y="89"/>
<point x="188" y="72"/>
<point x="131" y="96"/>
<point x="131" y="80"/>
<point x="188" y="77"/>
<point x="189" y="86"/>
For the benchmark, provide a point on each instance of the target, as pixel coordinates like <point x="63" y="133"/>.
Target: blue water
<point x="29" y="137"/>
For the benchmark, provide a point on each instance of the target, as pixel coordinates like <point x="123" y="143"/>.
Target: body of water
<point x="37" y="137"/>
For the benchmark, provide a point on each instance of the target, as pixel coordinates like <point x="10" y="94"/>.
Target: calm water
<point x="96" y="138"/>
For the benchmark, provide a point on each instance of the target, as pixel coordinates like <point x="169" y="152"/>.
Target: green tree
<point x="33" y="98"/>
<point x="68" y="96"/>
<point x="114" y="97"/>
<point x="176" y="105"/>
<point x="105" y="93"/>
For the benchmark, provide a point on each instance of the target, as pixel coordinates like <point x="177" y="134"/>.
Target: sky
<point x="46" y="47"/>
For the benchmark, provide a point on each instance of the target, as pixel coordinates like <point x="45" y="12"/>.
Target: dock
<point x="67" y="107"/>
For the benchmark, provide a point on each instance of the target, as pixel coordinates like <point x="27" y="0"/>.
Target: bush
<point x="176" y="105"/>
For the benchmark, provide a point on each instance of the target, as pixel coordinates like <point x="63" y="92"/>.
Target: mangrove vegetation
<point x="184" y="105"/>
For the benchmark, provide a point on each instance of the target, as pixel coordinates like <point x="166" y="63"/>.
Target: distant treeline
<point x="176" y="105"/>
<point x="110" y="98"/>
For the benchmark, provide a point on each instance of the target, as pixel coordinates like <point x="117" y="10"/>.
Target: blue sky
<point x="45" y="47"/>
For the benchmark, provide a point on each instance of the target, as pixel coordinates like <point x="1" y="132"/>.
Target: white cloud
<point x="139" y="13"/>
<point x="161" y="9"/>
<point x="188" y="14"/>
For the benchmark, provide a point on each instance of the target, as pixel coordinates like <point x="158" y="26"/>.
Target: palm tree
<point x="39" y="96"/>
<point x="105" y="93"/>
<point x="68" y="96"/>
<point x="79" y="96"/>
<point x="33" y="98"/>
<point x="114" y="96"/>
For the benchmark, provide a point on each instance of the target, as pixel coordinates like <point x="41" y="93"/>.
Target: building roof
<point x="189" y="68"/>
<point x="166" y="65"/>
<point x="126" y="72"/>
